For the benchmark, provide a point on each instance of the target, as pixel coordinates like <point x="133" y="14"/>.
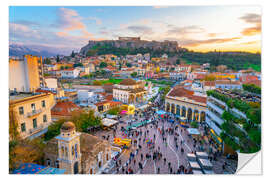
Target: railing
<point x="38" y="128"/>
<point x="215" y="117"/>
<point x="33" y="113"/>
<point x="215" y="107"/>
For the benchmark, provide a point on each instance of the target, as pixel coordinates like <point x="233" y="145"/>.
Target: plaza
<point x="162" y="146"/>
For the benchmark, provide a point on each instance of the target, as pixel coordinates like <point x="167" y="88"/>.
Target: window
<point x="21" y="110"/>
<point x="23" y="128"/>
<point x="35" y="123"/>
<point x="57" y="164"/>
<point x="43" y="103"/>
<point x="33" y="107"/>
<point x="44" y="118"/>
<point x="48" y="161"/>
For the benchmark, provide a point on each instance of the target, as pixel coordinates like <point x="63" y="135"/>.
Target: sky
<point x="197" y="28"/>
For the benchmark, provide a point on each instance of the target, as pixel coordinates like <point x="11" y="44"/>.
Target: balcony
<point x="33" y="113"/>
<point x="215" y="117"/>
<point x="213" y="126"/>
<point x="215" y="107"/>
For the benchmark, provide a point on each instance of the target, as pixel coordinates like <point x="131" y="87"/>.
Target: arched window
<point x="48" y="162"/>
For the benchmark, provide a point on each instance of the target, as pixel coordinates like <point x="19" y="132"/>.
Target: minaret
<point x="69" y="154"/>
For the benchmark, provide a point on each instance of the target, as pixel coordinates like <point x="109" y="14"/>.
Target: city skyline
<point x="237" y="28"/>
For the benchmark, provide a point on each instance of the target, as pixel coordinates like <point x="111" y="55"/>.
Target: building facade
<point x="184" y="103"/>
<point x="26" y="75"/>
<point x="77" y="153"/>
<point x="32" y="113"/>
<point x="129" y="91"/>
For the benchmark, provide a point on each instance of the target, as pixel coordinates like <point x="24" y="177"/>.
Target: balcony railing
<point x="213" y="126"/>
<point x="215" y="117"/>
<point x="38" y="128"/>
<point x="33" y="113"/>
<point x="215" y="107"/>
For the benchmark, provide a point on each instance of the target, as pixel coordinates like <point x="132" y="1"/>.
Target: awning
<point x="108" y="122"/>
<point x="161" y="112"/>
<point x="193" y="131"/>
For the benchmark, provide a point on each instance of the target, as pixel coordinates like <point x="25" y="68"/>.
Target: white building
<point x="228" y="85"/>
<point x="51" y="83"/>
<point x="70" y="73"/>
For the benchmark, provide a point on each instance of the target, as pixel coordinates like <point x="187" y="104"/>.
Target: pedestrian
<point x="134" y="162"/>
<point x="158" y="170"/>
<point x="164" y="161"/>
<point x="141" y="156"/>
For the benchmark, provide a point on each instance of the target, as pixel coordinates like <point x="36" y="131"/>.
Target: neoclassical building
<point x="76" y="152"/>
<point x="129" y="91"/>
<point x="185" y="103"/>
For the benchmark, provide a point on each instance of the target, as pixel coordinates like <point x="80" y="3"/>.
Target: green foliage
<point x="194" y="124"/>
<point x="91" y="52"/>
<point x="72" y="54"/>
<point x="129" y="65"/>
<point x="134" y="74"/>
<point x="82" y="121"/>
<point x="57" y="58"/>
<point x="78" y="65"/>
<point x="252" y="88"/>
<point x="54" y="129"/>
<point x="47" y="61"/>
<point x="114" y="111"/>
<point x="178" y="61"/>
<point x="103" y="65"/>
<point x="235" y="61"/>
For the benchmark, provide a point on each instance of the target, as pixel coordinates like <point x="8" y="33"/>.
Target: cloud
<point x="140" y="29"/>
<point x="184" y="30"/>
<point x="69" y="20"/>
<point x="255" y="20"/>
<point x="194" y="43"/>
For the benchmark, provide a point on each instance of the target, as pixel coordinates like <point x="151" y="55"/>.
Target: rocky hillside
<point x="166" y="46"/>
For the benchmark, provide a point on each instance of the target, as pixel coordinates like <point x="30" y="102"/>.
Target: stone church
<point x="77" y="152"/>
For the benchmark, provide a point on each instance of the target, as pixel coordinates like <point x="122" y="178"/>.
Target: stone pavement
<point x="167" y="148"/>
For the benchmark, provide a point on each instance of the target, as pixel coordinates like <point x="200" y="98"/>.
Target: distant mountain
<point x="37" y="50"/>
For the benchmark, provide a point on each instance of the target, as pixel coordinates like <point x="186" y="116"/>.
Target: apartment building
<point x="231" y="127"/>
<point x="32" y="112"/>
<point x="26" y="75"/>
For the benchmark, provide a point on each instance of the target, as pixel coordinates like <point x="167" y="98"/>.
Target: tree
<point x="57" y="58"/>
<point x="97" y="83"/>
<point x="114" y="111"/>
<point x="78" y="65"/>
<point x="178" y="61"/>
<point x="13" y="125"/>
<point x="129" y="64"/>
<point x="134" y="74"/>
<point x="91" y="52"/>
<point x="25" y="151"/>
<point x="103" y="65"/>
<point x="72" y="54"/>
<point x="47" y="61"/>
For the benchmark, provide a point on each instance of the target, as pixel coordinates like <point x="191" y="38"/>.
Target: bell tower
<point x="69" y="154"/>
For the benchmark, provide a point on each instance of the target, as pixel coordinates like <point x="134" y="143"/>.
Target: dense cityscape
<point x="133" y="106"/>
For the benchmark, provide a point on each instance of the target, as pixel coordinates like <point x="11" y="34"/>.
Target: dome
<point x="128" y="82"/>
<point x="67" y="126"/>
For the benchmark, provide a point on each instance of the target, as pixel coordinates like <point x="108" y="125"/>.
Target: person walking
<point x="164" y="161"/>
<point x="158" y="170"/>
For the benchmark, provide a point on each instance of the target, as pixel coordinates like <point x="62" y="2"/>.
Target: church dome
<point x="128" y="82"/>
<point x="68" y="126"/>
